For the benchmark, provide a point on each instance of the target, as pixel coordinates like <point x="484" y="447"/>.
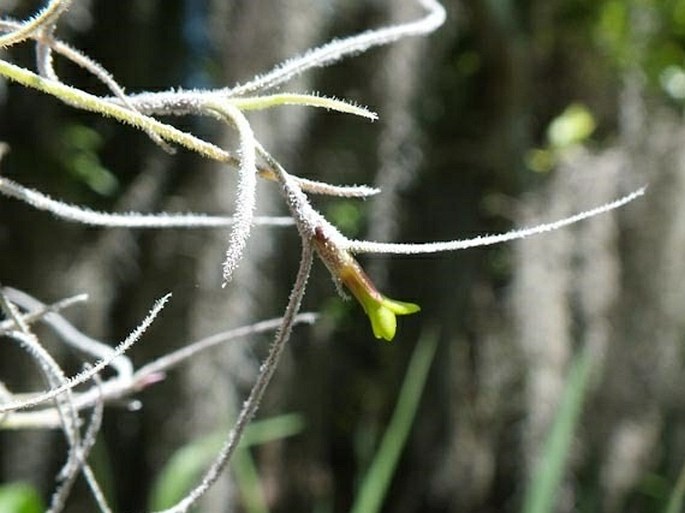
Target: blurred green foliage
<point x="572" y="127"/>
<point x="348" y="215"/>
<point x="543" y="488"/>
<point x="187" y="464"/>
<point x="675" y="501"/>
<point x="376" y="482"/>
<point x="79" y="149"/>
<point x="20" y="498"/>
<point x="648" y="35"/>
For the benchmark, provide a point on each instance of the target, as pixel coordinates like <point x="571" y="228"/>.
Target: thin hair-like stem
<point x="172" y="359"/>
<point x="266" y="372"/>
<point x="10" y="310"/>
<point x="52" y="372"/>
<point x="103" y="106"/>
<point x="74" y="55"/>
<point x="117" y="389"/>
<point x="90" y="217"/>
<point x="309" y="100"/>
<point x="247" y="188"/>
<point x="362" y="246"/>
<point x="306" y="217"/>
<point x="54" y="377"/>
<point x="87" y="375"/>
<point x="340" y="191"/>
<point x="44" y="60"/>
<point x="95" y="489"/>
<point x="70" y="334"/>
<point x="87" y="445"/>
<point x="141" y="119"/>
<point x="59" y="497"/>
<point x="48" y="16"/>
<point x="94" y="486"/>
<point x="340" y="48"/>
<point x="97" y="70"/>
<point x="39" y="313"/>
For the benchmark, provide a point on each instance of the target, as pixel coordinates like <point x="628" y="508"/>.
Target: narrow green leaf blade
<point x="541" y="493"/>
<point x="379" y="476"/>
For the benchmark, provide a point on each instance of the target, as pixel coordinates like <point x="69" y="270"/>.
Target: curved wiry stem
<point x="72" y="336"/>
<point x="363" y="246"/>
<point x="127" y="219"/>
<point x="266" y="372"/>
<point x="117" y="389"/>
<point x="46" y="43"/>
<point x="54" y="377"/>
<point x="340" y="48"/>
<point x="92" y="103"/>
<point x="340" y="191"/>
<point x="87" y="375"/>
<point x="39" y="313"/>
<point x="59" y="497"/>
<point x="48" y="16"/>
<point x="44" y="60"/>
<point x="247" y="188"/>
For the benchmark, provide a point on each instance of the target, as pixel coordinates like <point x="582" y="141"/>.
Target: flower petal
<point x="383" y="322"/>
<point x="400" y="307"/>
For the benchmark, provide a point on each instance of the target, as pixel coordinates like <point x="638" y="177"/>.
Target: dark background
<point x="461" y="115"/>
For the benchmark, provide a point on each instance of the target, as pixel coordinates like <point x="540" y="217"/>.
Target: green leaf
<point x="379" y="475"/>
<point x="675" y="501"/>
<point x="185" y="467"/>
<point x="541" y="493"/>
<point x="309" y="100"/>
<point x="247" y="477"/>
<point x="20" y="498"/>
<point x="79" y="152"/>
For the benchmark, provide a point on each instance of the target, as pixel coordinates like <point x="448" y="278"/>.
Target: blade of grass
<point x="675" y="501"/>
<point x="379" y="475"/>
<point x="246" y="473"/>
<point x="542" y="489"/>
<point x="274" y="428"/>
<point x="247" y="477"/>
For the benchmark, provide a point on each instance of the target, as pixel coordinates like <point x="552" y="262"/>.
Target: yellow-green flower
<point x="383" y="314"/>
<point x="382" y="311"/>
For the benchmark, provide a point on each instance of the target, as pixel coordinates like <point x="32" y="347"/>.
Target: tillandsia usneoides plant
<point x="61" y="405"/>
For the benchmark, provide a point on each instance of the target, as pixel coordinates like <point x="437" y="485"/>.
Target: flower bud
<point x="382" y="311"/>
